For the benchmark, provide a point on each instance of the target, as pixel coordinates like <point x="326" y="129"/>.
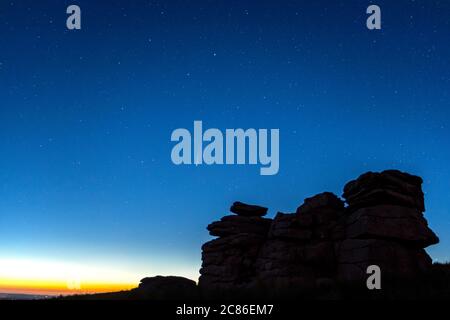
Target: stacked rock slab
<point x="299" y="252"/>
<point x="324" y="244"/>
<point x="384" y="226"/>
<point x="229" y="261"/>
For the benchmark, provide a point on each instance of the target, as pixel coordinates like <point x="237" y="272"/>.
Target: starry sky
<point x="86" y="116"/>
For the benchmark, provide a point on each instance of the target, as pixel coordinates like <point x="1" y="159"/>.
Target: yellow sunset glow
<point x="50" y="277"/>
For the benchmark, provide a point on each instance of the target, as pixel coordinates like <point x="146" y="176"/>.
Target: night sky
<point x="86" y="117"/>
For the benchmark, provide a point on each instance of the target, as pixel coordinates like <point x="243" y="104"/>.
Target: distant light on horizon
<point x="19" y="275"/>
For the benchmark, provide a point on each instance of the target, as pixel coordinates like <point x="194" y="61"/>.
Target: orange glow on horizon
<point x="56" y="277"/>
<point x="43" y="277"/>
<point x="54" y="287"/>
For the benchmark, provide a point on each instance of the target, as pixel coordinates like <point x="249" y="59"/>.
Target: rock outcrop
<point x="325" y="244"/>
<point x="229" y="261"/>
<point x="385" y="226"/>
<point x="166" y="288"/>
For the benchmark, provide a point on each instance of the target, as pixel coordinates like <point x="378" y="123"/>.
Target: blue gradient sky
<point x="86" y="117"/>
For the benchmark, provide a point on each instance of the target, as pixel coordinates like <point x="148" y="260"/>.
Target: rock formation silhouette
<point x="321" y="251"/>
<point x="326" y="245"/>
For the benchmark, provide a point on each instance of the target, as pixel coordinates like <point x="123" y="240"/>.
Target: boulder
<point x="388" y="187"/>
<point x="391" y="222"/>
<point x="230" y="225"/>
<point x="248" y="210"/>
<point x="167" y="288"/>
<point x="319" y="202"/>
